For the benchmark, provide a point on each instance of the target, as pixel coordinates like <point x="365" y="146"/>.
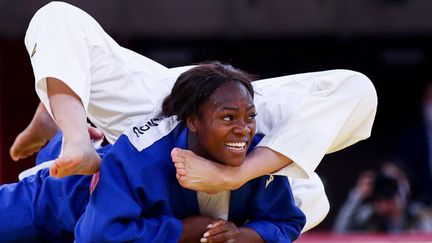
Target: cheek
<point x="216" y="136"/>
<point x="215" y="140"/>
<point x="210" y="139"/>
<point x="252" y="127"/>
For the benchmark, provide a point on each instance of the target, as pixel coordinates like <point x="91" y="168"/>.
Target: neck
<point x="194" y="146"/>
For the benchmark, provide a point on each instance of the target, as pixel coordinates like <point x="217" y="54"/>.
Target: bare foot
<point x="199" y="174"/>
<point x="35" y="135"/>
<point x="76" y="159"/>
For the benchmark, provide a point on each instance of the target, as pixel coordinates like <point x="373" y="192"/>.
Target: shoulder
<point x="144" y="133"/>
<point x="145" y="143"/>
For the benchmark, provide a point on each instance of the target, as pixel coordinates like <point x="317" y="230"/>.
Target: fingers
<point x="221" y="231"/>
<point x="225" y="236"/>
<point x="216" y="223"/>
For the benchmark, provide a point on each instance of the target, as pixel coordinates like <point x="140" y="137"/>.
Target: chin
<point x="235" y="162"/>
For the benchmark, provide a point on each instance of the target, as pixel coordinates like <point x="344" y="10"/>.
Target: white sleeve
<point x="310" y="197"/>
<point x="308" y="115"/>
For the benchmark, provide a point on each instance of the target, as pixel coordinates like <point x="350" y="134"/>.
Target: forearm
<point x="259" y="162"/>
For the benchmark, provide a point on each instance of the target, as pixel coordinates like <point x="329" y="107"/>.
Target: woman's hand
<point x="221" y="231"/>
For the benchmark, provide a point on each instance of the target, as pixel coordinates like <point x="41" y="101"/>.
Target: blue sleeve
<point x="122" y="209"/>
<point x="274" y="214"/>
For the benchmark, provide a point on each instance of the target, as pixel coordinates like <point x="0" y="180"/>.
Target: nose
<point x="242" y="128"/>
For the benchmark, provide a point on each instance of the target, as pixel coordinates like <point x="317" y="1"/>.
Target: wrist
<point x="248" y="235"/>
<point x="193" y="228"/>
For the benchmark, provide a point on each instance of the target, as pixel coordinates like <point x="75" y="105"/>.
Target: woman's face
<point x="225" y="126"/>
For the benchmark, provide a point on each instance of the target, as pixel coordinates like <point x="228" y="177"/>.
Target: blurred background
<point x="387" y="40"/>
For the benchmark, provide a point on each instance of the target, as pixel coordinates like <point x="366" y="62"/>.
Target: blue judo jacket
<point x="139" y="199"/>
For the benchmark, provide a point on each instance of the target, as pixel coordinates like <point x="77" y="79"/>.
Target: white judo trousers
<point x="303" y="116"/>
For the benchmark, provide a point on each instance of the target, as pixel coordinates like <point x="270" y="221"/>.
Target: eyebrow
<point x="236" y="108"/>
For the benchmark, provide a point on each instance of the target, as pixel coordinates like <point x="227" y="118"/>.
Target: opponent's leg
<point x="35" y="135"/>
<point x="192" y="171"/>
<point x="343" y="100"/>
<point x="114" y="85"/>
<point x="197" y="173"/>
<point x="78" y="155"/>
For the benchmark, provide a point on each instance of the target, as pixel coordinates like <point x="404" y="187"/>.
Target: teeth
<point x="238" y="146"/>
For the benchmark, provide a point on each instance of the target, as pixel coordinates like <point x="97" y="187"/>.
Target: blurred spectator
<point x="415" y="150"/>
<point x="380" y="202"/>
<point x="392" y="170"/>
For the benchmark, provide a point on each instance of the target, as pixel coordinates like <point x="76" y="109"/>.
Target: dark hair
<point x="194" y="86"/>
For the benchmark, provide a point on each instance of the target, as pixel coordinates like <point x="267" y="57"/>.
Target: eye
<point x="252" y="116"/>
<point x="228" y="118"/>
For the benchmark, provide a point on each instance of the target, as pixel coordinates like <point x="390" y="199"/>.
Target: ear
<point x="192" y="123"/>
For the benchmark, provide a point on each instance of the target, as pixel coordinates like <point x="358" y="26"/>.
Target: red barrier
<point x="328" y="237"/>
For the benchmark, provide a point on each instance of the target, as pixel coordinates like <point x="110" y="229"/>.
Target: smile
<point x="237" y="146"/>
